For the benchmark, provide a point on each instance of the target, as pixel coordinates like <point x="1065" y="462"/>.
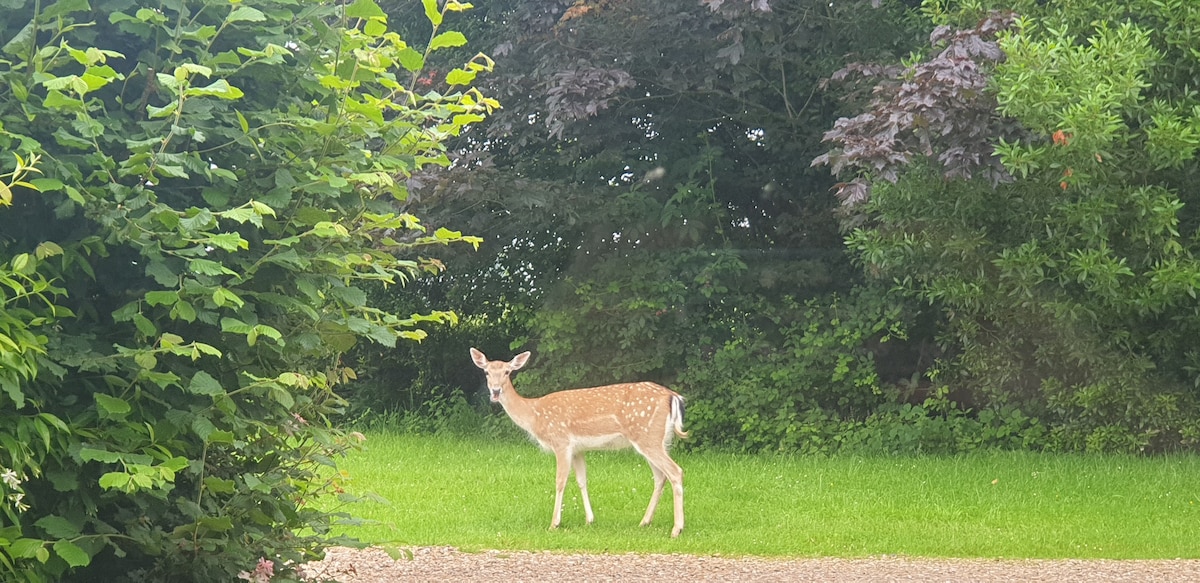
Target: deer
<point x="645" y="416"/>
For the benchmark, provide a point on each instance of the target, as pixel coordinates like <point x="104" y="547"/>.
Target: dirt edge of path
<point x="375" y="565"/>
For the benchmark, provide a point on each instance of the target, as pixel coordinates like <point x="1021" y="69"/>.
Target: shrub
<point x="216" y="187"/>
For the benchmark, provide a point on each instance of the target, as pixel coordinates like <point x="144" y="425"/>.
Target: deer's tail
<point x="677" y="415"/>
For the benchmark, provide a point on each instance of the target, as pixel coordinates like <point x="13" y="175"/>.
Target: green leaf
<point x="283" y="397"/>
<point x="464" y="119"/>
<point x="207" y="349"/>
<point x="162" y="274"/>
<point x="21" y="263"/>
<point x="410" y="59"/>
<point x="58" y="527"/>
<point x="262" y="209"/>
<point x="219" y="88"/>
<point x="365" y="9"/>
<point x="350" y="295"/>
<point x="47" y="249"/>
<point x="220" y="436"/>
<point x="228" y="241"/>
<point x="171" y="171"/>
<point x="432" y="12"/>
<point x="235" y="325"/>
<point x="89" y="454"/>
<point x="13" y="390"/>
<point x="65" y="7"/>
<point x="117" y="480"/>
<point x="25" y="548"/>
<point x="203" y="427"/>
<point x="219" y="485"/>
<point x="47" y="184"/>
<point x="222" y="296"/>
<point x="112" y="407"/>
<point x="335" y="82"/>
<point x="215" y="197"/>
<point x="245" y="13"/>
<point x="183" y="311"/>
<point x="21" y="40"/>
<point x="243" y="215"/>
<point x="72" y="554"/>
<point x="162" y="298"/>
<point x="447" y="39"/>
<point x="155" y="112"/>
<point x="203" y="383"/>
<point x="269" y="332"/>
<point x="375" y="28"/>
<point x="175" y="464"/>
<point x="186" y="70"/>
<point x="198" y="219"/>
<point x="54" y="421"/>
<point x="460" y="77"/>
<point x="217" y="523"/>
<point x="209" y="267"/>
<point x="330" y="230"/>
<point x="382" y="334"/>
<point x="145" y="360"/>
<point x="57" y="100"/>
<point x="311" y="215"/>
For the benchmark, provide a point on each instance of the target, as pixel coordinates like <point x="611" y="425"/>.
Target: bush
<point x="216" y="187"/>
<point x="1028" y="178"/>
<point x="762" y="392"/>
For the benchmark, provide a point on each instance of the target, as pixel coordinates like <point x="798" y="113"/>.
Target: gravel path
<point x="448" y="564"/>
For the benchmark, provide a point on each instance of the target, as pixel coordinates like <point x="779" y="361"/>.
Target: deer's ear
<point x="479" y="358"/>
<point x="518" y="361"/>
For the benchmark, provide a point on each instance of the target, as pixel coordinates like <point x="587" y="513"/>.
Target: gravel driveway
<point x="446" y="564"/>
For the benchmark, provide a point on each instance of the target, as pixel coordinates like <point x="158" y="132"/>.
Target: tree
<point x="638" y="193"/>
<point x="1028" y="179"/>
<point x="201" y="192"/>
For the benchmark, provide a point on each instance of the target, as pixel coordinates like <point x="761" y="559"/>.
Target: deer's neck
<point x="521" y="410"/>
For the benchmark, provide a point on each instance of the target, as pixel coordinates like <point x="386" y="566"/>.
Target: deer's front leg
<point x="563" y="466"/>
<point x="580" y="467"/>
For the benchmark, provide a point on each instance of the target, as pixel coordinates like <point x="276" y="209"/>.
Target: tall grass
<point x="477" y="494"/>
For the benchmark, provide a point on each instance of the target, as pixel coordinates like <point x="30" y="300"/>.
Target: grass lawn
<point x="477" y="494"/>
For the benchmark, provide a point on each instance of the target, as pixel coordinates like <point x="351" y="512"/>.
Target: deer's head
<point x="498" y="371"/>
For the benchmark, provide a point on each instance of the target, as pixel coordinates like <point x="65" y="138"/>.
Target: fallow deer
<point x="645" y="416"/>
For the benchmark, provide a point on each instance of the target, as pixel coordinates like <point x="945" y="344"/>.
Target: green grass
<point x="477" y="494"/>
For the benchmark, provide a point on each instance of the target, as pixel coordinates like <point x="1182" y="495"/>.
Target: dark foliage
<point x="938" y="108"/>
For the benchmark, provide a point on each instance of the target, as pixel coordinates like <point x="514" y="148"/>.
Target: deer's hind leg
<point x="665" y="468"/>
<point x="659" y="481"/>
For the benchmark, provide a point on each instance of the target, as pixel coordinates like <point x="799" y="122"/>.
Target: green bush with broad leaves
<point x="790" y="389"/>
<point x="194" y="196"/>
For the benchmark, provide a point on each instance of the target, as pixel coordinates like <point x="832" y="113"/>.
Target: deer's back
<point x="606" y="417"/>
